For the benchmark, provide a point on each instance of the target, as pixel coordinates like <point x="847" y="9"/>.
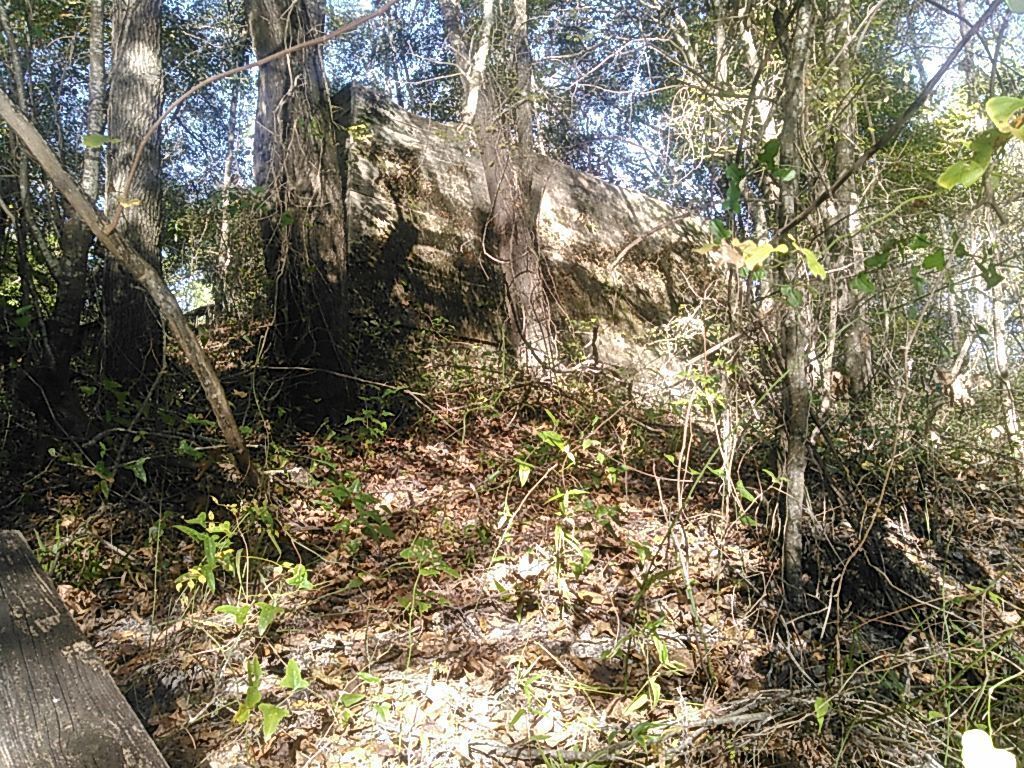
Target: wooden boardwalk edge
<point x="59" y="707"/>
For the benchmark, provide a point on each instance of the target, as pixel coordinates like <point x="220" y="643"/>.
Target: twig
<point x="901" y="122"/>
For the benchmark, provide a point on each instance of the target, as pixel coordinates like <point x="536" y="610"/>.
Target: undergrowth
<point x="478" y="569"/>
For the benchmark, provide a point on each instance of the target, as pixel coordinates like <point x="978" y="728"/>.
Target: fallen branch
<point x="145" y="274"/>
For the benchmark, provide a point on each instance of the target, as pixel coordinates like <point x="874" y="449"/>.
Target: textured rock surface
<point x="620" y="262"/>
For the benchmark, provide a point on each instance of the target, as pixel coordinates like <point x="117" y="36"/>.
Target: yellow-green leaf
<point x="966" y="172"/>
<point x="754" y="254"/>
<point x="636" y="704"/>
<point x="821" y="708"/>
<point x="1005" y="112"/>
<point x="272" y="717"/>
<point x="293" y="679"/>
<point x="813" y="263"/>
<point x="97" y="140"/>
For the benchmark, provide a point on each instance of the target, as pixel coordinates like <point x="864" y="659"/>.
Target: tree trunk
<point x="1011" y="419"/>
<point x="133" y="338"/>
<point x="295" y="159"/>
<point x="71" y="262"/>
<point x="848" y="245"/>
<point x="503" y="128"/>
<point x="796" y="333"/>
<point x="224" y="296"/>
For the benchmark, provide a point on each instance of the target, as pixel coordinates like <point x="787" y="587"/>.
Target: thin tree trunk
<point x="76" y="240"/>
<point x="796" y="321"/>
<point x="856" y="338"/>
<point x="1011" y="419"/>
<point x="133" y="338"/>
<point x="503" y="129"/>
<point x="471" y="64"/>
<point x="224" y="298"/>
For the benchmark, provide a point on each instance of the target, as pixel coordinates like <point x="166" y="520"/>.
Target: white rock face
<point x="630" y="290"/>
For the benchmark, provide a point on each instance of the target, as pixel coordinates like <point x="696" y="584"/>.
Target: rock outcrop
<point x="625" y="280"/>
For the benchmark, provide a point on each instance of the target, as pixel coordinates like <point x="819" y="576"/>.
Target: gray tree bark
<point x="224" y="297"/>
<point x="501" y="113"/>
<point x="848" y="246"/>
<point x="132" y="336"/>
<point x="71" y="263"/>
<point x="295" y="159"/>
<point x="797" y="321"/>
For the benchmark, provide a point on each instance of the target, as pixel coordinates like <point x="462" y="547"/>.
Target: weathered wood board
<point x="59" y="707"/>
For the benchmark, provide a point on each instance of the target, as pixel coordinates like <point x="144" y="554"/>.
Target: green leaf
<point x="242" y="715"/>
<point x="719" y="231"/>
<point x="821" y="708"/>
<point x="787" y="174"/>
<point x="238" y="612"/>
<point x="919" y="241"/>
<point x="877" y="261"/>
<point x="863" y="283"/>
<point x="253" y="673"/>
<point x="97" y="140"/>
<point x="768" y="153"/>
<point x="185" y="449"/>
<point x="735" y="175"/>
<point x="287" y="218"/>
<point x="272" y="717"/>
<point x="990" y="275"/>
<point x="351" y="699"/>
<point x="637" y="704"/>
<point x="524" y="472"/>
<point x="293" y="679"/>
<point x="792" y="296"/>
<point x="299" y="577"/>
<point x="934" y="260"/>
<point x="965" y="172"/>
<point x="741" y="489"/>
<point x="138" y="468"/>
<point x="986" y="143"/>
<point x="1003" y="110"/>
<point x="268" y="613"/>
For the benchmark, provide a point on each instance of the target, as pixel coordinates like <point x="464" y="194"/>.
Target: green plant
<point x="218" y="554"/>
<point x="252" y="703"/>
<point x="426" y="562"/>
<point x="72" y="555"/>
<point x="371" y="422"/>
<point x="360" y="512"/>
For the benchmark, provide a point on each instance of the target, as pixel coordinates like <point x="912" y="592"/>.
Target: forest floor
<point x="487" y="572"/>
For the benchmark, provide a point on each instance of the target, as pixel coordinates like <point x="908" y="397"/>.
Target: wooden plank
<point x="59" y="707"/>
